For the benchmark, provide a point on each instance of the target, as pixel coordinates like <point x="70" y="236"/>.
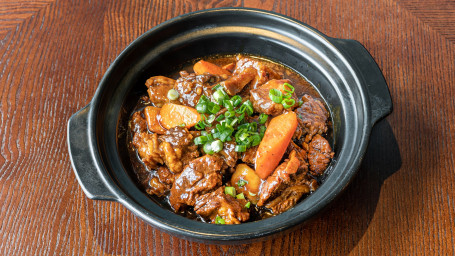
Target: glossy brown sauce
<point x="302" y="87"/>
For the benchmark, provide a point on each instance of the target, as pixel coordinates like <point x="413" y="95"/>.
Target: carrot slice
<point x="203" y="66"/>
<point x="273" y="145"/>
<point x="151" y="116"/>
<point x="172" y="115"/>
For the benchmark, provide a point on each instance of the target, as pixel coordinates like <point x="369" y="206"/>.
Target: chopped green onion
<point x="219" y="95"/>
<point x="251" y="194"/>
<point x="200" y="140"/>
<point x="236" y="100"/>
<point x="287" y="96"/>
<point x="229" y="113"/>
<point x="240" y="148"/>
<point x="210" y="119"/>
<point x="220" y="117"/>
<point x="204" y="133"/>
<point x="182" y="125"/>
<point x="172" y="94"/>
<point x="289" y="86"/>
<point x="262" y="130"/>
<point x="203" y="99"/>
<point x="287" y="103"/>
<point x="229" y="191"/>
<point x="201" y="108"/>
<point x="200" y="125"/>
<point x="241" y="117"/>
<point x="249" y="107"/>
<point x="247" y="205"/>
<point x="234" y="122"/>
<point x="219" y="220"/>
<point x="276" y="95"/>
<point x="216" y="87"/>
<point x="213" y="108"/>
<point x="207" y="148"/>
<point x="242" y="182"/>
<point x="256" y="140"/>
<point x="228" y="104"/>
<point x="217" y="146"/>
<point x="240" y="196"/>
<point x="300" y="103"/>
<point x="263" y="118"/>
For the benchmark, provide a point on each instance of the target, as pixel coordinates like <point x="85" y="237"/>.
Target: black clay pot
<point x="342" y="71"/>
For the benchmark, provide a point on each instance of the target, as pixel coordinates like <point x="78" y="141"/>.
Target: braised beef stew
<point x="230" y="139"/>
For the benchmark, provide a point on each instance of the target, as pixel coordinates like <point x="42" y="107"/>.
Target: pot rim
<point x="232" y="232"/>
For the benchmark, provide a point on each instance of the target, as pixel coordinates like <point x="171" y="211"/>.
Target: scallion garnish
<point x="276" y="95"/>
<point x="240" y="148"/>
<point x="208" y="148"/>
<point x="220" y="117"/>
<point x="200" y="125"/>
<point x="229" y="191"/>
<point x="242" y="182"/>
<point x="213" y="108"/>
<point x="172" y="94"/>
<point x="216" y="146"/>
<point x="210" y="119"/>
<point x="236" y="100"/>
<point x="219" y="95"/>
<point x="240" y="196"/>
<point x="201" y="108"/>
<point x="263" y="118"/>
<point x="290" y="87"/>
<point x="287" y="103"/>
<point x="200" y="140"/>
<point x="216" y="87"/>
<point x="219" y="220"/>
<point x="247" y="205"/>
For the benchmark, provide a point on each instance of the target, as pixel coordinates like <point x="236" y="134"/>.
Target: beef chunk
<point x="178" y="137"/>
<point x="319" y="155"/>
<point x="156" y="187"/>
<point x="312" y="117"/>
<point x="182" y="151"/>
<point x="300" y="153"/>
<point x="264" y="71"/>
<point x="165" y="175"/>
<point x="147" y="146"/>
<point x="241" y="77"/>
<point x="261" y="99"/>
<point x="217" y="203"/>
<point x="263" y="104"/>
<point x="279" y="178"/>
<point x="228" y="154"/>
<point x="191" y="87"/>
<point x="249" y="155"/>
<point x="158" y="86"/>
<point x="171" y="157"/>
<point x="138" y="122"/>
<point x="200" y="176"/>
<point x="288" y="198"/>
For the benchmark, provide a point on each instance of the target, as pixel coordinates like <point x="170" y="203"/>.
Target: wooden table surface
<point x="54" y="53"/>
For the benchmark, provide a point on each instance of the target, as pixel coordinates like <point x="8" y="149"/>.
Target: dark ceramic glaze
<point x="343" y="72"/>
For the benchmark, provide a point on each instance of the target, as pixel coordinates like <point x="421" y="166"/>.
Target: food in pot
<point x="230" y="139"/>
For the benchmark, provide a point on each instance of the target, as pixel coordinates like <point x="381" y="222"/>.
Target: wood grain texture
<point x="53" y="54"/>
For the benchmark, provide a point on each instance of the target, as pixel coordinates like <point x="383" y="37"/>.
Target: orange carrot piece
<point x="151" y="116"/>
<point x="172" y="115"/>
<point x="273" y="145"/>
<point x="202" y="67"/>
